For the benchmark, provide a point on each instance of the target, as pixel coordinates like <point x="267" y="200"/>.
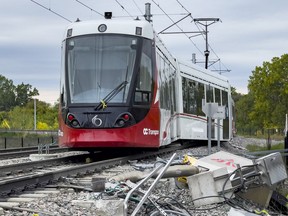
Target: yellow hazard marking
<point x="189" y="160"/>
<point x="104" y="105"/>
<point x="262" y="212"/>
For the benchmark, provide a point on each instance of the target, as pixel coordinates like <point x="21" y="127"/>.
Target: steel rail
<point x="44" y="178"/>
<point x="40" y="164"/>
<point x="24" y="152"/>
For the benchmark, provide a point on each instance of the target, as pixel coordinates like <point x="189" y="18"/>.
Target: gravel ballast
<point x="66" y="200"/>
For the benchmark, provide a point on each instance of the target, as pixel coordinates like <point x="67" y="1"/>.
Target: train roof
<point x="201" y="74"/>
<point x="145" y="29"/>
<point x="113" y="26"/>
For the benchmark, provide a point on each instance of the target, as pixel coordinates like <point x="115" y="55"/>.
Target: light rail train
<point x="121" y="88"/>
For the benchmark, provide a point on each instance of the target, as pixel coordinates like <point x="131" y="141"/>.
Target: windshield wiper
<point x="103" y="103"/>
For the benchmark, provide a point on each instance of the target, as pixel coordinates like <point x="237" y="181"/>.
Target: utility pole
<point x="35" y="115"/>
<point x="206" y="22"/>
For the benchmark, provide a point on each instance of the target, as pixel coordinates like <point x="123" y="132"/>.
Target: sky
<point x="248" y="33"/>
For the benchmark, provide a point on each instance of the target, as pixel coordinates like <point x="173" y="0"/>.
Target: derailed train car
<point x="121" y="88"/>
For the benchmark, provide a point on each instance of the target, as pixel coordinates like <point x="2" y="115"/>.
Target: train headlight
<point x="124" y="120"/>
<point x="102" y="28"/>
<point x="75" y="123"/>
<point x="72" y="121"/>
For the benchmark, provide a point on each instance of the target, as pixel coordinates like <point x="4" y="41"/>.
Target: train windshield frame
<point x="97" y="64"/>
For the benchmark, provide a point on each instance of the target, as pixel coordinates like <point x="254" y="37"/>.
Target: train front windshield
<point x="98" y="64"/>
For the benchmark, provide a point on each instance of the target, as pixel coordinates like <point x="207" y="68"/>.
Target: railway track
<point x="26" y="151"/>
<point x="70" y="187"/>
<point x="44" y="172"/>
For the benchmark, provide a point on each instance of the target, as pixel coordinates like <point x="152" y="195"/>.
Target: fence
<point x="16" y="142"/>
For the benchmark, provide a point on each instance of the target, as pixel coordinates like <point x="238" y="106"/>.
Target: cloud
<point x="250" y="33"/>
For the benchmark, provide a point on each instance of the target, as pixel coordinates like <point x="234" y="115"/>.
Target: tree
<point x="244" y="122"/>
<point x="24" y="93"/>
<point x="269" y="85"/>
<point x="12" y="96"/>
<point x="7" y="94"/>
<point x="235" y="95"/>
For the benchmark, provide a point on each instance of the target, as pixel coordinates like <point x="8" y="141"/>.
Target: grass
<point x="254" y="148"/>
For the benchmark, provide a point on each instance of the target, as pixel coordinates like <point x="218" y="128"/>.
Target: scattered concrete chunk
<point x="103" y="207"/>
<point x="239" y="212"/>
<point x="38" y="157"/>
<point x="9" y="204"/>
<point x="39" y="195"/>
<point x="19" y="199"/>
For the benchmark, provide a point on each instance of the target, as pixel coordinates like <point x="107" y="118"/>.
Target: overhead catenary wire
<point x="154" y="15"/>
<point x="123" y="8"/>
<point x="52" y="11"/>
<point x="89" y="8"/>
<point x="138" y="7"/>
<point x="158" y="5"/>
<point x="176" y="25"/>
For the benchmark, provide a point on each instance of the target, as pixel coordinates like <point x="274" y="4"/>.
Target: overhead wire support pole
<point x="204" y="22"/>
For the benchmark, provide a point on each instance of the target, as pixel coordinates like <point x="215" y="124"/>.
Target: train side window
<point x="209" y="94"/>
<point x="224" y="98"/>
<point x="200" y="96"/>
<point x="192" y="92"/>
<point x="217" y="96"/>
<point x="184" y="95"/>
<point x="144" y="83"/>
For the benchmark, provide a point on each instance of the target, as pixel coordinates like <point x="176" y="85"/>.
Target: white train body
<point x="174" y="108"/>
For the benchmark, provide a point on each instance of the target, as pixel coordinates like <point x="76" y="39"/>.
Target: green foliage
<point x="17" y="108"/>
<point x="22" y="117"/>
<point x="12" y="96"/>
<point x="7" y="94"/>
<point x="235" y="95"/>
<point x="243" y="118"/>
<point x="254" y="148"/>
<point x="24" y="93"/>
<point x="269" y="86"/>
<point x="266" y="104"/>
<point x="47" y="115"/>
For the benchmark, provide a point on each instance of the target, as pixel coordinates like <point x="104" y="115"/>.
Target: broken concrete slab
<point x="208" y="187"/>
<point x="223" y="159"/>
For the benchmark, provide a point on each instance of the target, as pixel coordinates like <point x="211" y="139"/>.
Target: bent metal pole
<point x="153" y="185"/>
